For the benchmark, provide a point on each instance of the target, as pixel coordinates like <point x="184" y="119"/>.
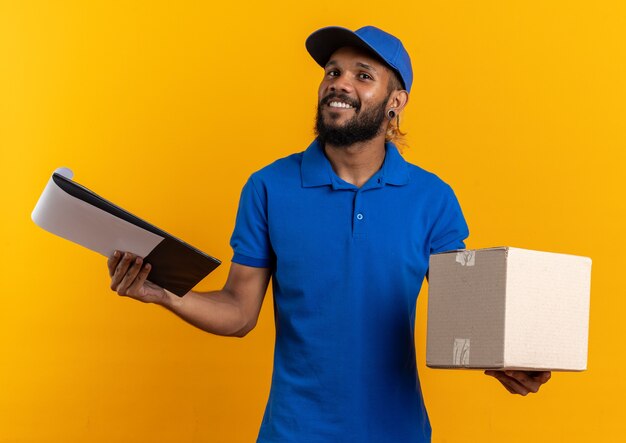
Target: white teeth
<point x="339" y="105"/>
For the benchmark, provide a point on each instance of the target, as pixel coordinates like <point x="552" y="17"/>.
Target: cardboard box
<point x="508" y="308"/>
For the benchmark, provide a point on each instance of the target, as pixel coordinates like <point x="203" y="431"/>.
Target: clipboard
<point x="71" y="211"/>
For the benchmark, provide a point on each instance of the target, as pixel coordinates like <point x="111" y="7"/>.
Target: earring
<point x="391" y="114"/>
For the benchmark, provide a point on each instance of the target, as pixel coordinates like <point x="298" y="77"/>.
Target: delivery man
<point x="345" y="230"/>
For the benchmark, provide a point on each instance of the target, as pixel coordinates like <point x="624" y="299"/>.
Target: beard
<point x="360" y="128"/>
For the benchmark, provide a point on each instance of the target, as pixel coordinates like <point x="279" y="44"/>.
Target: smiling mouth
<point x="339" y="105"/>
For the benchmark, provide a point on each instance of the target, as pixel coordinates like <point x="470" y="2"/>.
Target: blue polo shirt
<point x="347" y="266"/>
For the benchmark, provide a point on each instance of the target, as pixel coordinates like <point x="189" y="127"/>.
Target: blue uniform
<point x="348" y="264"/>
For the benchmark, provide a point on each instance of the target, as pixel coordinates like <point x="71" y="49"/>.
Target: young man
<point x="345" y="229"/>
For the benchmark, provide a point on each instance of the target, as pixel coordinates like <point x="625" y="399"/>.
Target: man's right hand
<point x="129" y="278"/>
<point x="231" y="311"/>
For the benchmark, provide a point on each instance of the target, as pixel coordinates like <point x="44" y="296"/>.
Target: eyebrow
<point x="366" y="66"/>
<point x="360" y="64"/>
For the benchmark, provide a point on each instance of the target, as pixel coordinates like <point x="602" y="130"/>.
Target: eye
<point x="365" y="76"/>
<point x="333" y="73"/>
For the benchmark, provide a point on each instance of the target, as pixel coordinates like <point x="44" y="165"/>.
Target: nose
<point x="341" y="84"/>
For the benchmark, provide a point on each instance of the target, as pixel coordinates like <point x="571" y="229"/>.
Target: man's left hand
<point x="521" y="382"/>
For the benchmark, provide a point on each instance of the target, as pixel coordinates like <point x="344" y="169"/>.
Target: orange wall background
<point x="166" y="108"/>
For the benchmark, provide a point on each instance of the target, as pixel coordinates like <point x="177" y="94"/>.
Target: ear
<point x="398" y="100"/>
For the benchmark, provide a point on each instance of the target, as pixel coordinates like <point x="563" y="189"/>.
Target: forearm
<point x="232" y="311"/>
<point x="216" y="312"/>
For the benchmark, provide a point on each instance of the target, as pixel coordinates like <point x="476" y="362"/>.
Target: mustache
<point x="340" y="97"/>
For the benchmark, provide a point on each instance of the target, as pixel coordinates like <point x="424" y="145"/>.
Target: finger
<point x="543" y="377"/>
<point x="510" y="382"/>
<point x="525" y="380"/>
<point x="540" y="376"/>
<point x="129" y="277"/>
<point x="493" y="374"/>
<point x="139" y="281"/>
<point x="112" y="262"/>
<point x="120" y="270"/>
<point x="508" y="388"/>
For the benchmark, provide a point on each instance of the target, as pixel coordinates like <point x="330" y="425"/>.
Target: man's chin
<point x="335" y="120"/>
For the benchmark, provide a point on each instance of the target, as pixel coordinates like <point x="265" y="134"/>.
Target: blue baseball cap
<point x="323" y="42"/>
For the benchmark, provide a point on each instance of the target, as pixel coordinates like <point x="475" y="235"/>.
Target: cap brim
<point x="323" y="42"/>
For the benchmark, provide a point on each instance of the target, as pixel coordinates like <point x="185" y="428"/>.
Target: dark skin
<point x="234" y="309"/>
<point x="521" y="382"/>
<point x="364" y="80"/>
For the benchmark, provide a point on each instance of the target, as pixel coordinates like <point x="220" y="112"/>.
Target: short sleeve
<point x="450" y="229"/>
<point x="250" y="239"/>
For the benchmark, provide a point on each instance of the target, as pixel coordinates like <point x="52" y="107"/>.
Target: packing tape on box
<point x="466" y="257"/>
<point x="461" y="352"/>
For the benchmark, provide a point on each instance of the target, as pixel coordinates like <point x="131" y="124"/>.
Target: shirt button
<point x="359" y="216"/>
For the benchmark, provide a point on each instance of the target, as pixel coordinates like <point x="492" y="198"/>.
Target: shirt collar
<point x="317" y="171"/>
